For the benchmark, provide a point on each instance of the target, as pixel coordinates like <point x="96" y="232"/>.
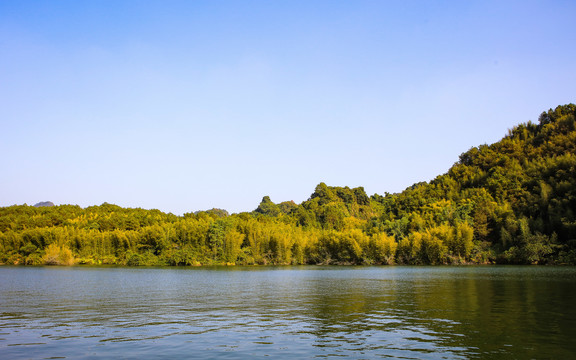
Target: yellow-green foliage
<point x="409" y="249"/>
<point x="232" y="245"/>
<point x="433" y="250"/>
<point x="58" y="255"/>
<point x="381" y="249"/>
<point x="463" y="243"/>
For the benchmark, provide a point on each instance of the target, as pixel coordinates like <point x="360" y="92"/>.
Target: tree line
<point x="513" y="201"/>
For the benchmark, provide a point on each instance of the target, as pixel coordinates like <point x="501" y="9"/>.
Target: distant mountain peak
<point x="44" y="204"/>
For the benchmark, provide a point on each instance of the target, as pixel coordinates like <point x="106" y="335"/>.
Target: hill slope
<point x="519" y="194"/>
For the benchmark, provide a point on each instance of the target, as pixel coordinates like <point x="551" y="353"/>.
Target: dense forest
<point x="511" y="202"/>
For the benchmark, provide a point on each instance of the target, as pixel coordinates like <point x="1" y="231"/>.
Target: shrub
<point x="58" y="255"/>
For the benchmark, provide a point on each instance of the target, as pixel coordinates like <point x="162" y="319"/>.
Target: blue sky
<point x="189" y="105"/>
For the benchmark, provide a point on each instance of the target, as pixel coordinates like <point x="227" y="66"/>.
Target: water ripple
<point x="431" y="313"/>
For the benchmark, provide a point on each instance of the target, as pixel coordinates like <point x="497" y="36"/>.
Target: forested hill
<point x="510" y="202"/>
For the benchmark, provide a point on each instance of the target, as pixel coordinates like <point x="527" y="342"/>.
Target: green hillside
<point x="510" y="202"/>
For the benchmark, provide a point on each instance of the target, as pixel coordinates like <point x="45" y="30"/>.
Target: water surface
<point x="400" y="312"/>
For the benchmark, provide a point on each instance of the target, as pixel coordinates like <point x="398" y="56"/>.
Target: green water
<point x="399" y="312"/>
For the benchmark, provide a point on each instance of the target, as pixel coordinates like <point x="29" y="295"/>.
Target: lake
<point x="468" y="312"/>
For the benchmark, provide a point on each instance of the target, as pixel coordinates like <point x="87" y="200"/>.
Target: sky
<point x="192" y="105"/>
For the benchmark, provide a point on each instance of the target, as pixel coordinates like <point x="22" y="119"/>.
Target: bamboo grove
<point x="510" y="202"/>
